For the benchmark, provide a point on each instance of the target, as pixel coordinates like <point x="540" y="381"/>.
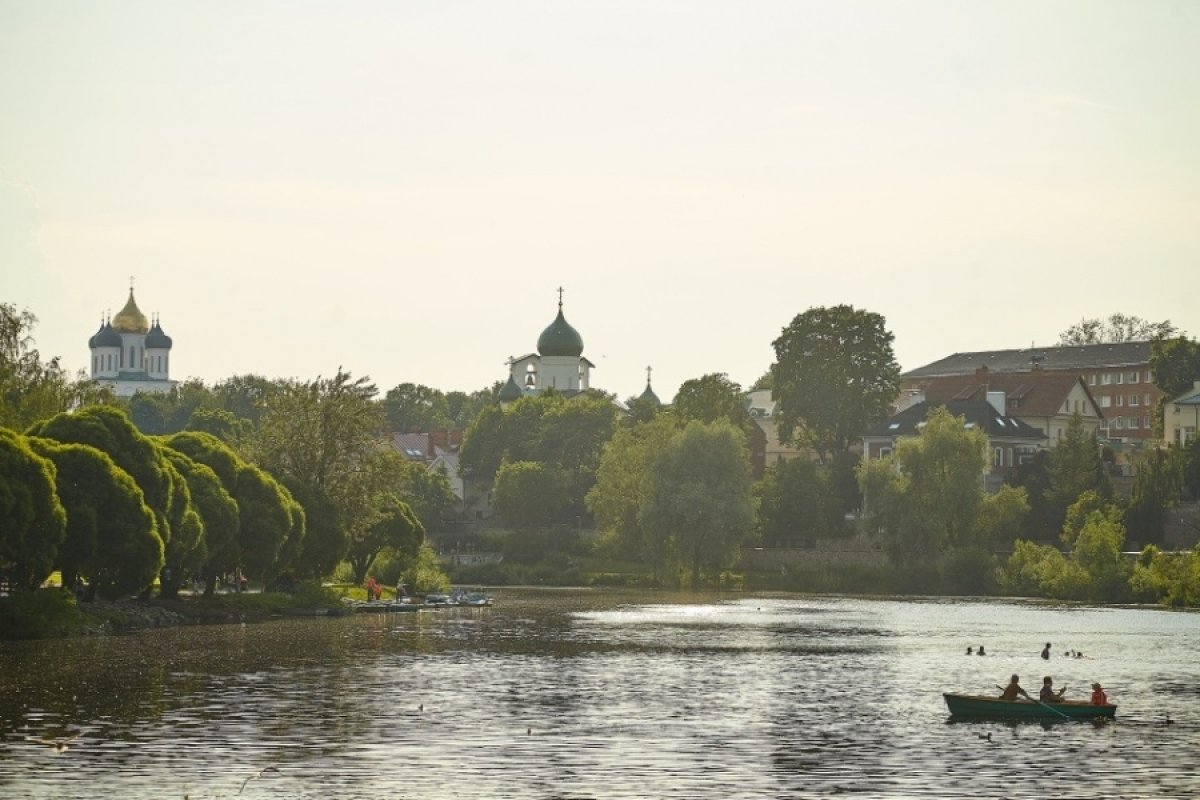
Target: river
<point x="589" y="694"/>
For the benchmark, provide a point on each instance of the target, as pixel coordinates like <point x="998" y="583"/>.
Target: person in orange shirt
<point x="1099" y="698"/>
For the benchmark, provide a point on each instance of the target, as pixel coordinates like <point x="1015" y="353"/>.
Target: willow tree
<point x="111" y="538"/>
<point x="33" y="522"/>
<point x="699" y="497"/>
<point x="165" y="489"/>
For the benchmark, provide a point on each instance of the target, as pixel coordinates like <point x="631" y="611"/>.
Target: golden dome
<point x="130" y="319"/>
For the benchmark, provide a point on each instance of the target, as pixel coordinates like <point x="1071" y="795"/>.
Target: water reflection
<point x="589" y="694"/>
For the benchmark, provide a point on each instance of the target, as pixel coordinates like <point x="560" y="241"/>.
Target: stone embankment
<point x="122" y="615"/>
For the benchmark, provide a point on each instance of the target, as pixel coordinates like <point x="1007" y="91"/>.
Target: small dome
<point x="157" y="339"/>
<point x="510" y="391"/>
<point x="560" y="339"/>
<point x="130" y="319"/>
<point x="649" y="395"/>
<point x="105" y="337"/>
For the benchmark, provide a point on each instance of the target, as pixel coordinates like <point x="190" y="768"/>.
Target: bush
<point x="40" y="614"/>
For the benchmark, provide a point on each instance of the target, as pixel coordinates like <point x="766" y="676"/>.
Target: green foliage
<point x="1044" y="523"/>
<point x="795" y="500"/>
<point x="413" y="407"/>
<point x="1190" y="477"/>
<point x="33" y="522"/>
<point x="969" y="570"/>
<point x="1155" y="489"/>
<point x="394" y="528"/>
<point x="529" y="494"/>
<point x="218" y="513"/>
<point x="220" y="423"/>
<point x="112" y="540"/>
<point x="710" y="398"/>
<point x="1176" y="364"/>
<point x="1031" y="569"/>
<point x="30" y="389"/>
<point x="423" y="574"/>
<point x="567" y="434"/>
<point x="1116" y="328"/>
<point x="1075" y="466"/>
<point x="1081" y="510"/>
<point x="698" y="507"/>
<point x="622" y="487"/>
<point x="427" y="492"/>
<point x="1001" y="516"/>
<point x="1172" y="579"/>
<point x="834" y="375"/>
<point x="927" y="496"/>
<point x="39" y="614"/>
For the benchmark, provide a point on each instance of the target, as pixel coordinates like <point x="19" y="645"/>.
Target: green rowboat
<point x="974" y="706"/>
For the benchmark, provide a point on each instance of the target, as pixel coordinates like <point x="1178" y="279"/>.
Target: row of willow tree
<point x="668" y="487"/>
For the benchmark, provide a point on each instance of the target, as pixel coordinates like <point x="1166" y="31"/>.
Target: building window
<point x="1092" y="379"/>
<point x="1149" y="376"/>
<point x="1133" y="377"/>
<point x="1105" y="401"/>
<point x="1134" y="423"/>
<point x="1146" y="399"/>
<point x="1120" y="400"/>
<point x="1118" y="423"/>
<point x="1106" y="379"/>
<point x="1120" y="378"/>
<point x="1146" y="423"/>
<point x="998" y="457"/>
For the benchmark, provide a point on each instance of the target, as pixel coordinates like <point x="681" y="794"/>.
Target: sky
<point x="400" y="188"/>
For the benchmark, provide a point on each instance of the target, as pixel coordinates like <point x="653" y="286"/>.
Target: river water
<point x="584" y="694"/>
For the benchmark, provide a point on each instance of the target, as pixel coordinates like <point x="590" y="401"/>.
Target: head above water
<point x="1095" y="686"/>
<point x="1047" y="680"/>
<point x="1015" y="679"/>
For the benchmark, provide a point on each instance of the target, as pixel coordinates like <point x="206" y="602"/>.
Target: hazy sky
<point x="400" y="187"/>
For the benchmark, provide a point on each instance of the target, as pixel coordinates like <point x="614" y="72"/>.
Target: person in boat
<point x="1014" y="689"/>
<point x="1046" y="651"/>
<point x="1099" y="698"/>
<point x="1048" y="695"/>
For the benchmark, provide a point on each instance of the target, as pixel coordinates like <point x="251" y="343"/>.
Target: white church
<point x="558" y="363"/>
<point x="131" y="354"/>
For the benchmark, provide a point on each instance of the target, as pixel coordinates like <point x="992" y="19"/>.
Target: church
<point x="131" y="354"/>
<point x="558" y="363"/>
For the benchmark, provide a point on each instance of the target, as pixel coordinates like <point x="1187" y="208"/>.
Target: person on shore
<point x="1014" y="689"/>
<point x="1046" y="651"/>
<point x="1048" y="695"/>
<point x="1099" y="698"/>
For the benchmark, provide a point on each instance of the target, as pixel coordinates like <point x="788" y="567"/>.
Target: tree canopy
<point x="834" y="376"/>
<point x="33" y="522"/>
<point x="1115" y="328"/>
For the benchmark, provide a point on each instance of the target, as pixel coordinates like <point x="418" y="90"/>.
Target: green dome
<point x="510" y="391"/>
<point x="649" y="395"/>
<point x="560" y="339"/>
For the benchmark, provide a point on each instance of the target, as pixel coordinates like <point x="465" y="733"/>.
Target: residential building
<point x="1181" y="417"/>
<point x="1044" y="400"/>
<point x="1011" y="441"/>
<point x="1117" y="375"/>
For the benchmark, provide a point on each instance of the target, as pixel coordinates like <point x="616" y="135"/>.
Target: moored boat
<point x="975" y="706"/>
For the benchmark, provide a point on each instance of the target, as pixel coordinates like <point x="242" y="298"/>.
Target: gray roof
<point x="977" y="413"/>
<point x="1080" y="357"/>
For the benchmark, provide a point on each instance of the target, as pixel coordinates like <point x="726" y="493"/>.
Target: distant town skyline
<point x="400" y="190"/>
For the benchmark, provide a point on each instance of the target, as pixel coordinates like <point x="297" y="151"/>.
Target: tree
<point x="1116" y="328"/>
<point x="1155" y="489"/>
<point x="1176" y="365"/>
<point x="111" y="538"/>
<point x="927" y="496"/>
<point x="529" y="494"/>
<point x="699" y="498"/>
<point x="413" y="407"/>
<point x="247" y="396"/>
<point x="268" y="532"/>
<point x="795" y="500"/>
<point x="33" y="522"/>
<point x="710" y="398"/>
<point x="834" y="375"/>
<point x="622" y="488"/>
<point x="322" y="440"/>
<point x="166" y="492"/>
<point x="395" y="528"/>
<point x="30" y="389"/>
<point x="218" y="513"/>
<point x="1075" y="466"/>
<point x="428" y="493"/>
